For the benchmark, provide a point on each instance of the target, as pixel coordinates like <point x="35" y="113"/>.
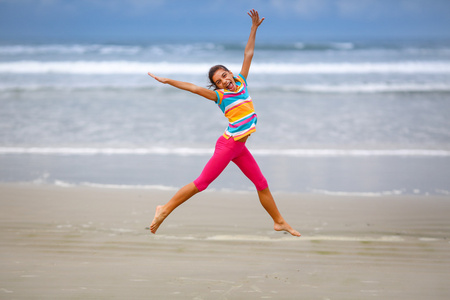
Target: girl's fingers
<point x="255" y="16"/>
<point x="151" y="75"/>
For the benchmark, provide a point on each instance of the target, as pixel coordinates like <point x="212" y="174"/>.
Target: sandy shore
<point x="90" y="243"/>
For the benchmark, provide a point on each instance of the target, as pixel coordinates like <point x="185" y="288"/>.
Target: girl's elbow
<point x="249" y="54"/>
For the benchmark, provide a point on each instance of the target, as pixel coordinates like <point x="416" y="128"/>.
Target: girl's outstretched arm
<point x="250" y="48"/>
<point x="204" y="92"/>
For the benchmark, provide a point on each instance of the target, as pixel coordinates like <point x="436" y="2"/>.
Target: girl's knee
<point x="261" y="184"/>
<point x="200" y="185"/>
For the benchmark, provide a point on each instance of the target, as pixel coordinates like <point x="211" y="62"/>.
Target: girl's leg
<point x="217" y="163"/>
<point x="162" y="211"/>
<point x="248" y="165"/>
<point x="222" y="156"/>
<point x="246" y="162"/>
<point x="267" y="201"/>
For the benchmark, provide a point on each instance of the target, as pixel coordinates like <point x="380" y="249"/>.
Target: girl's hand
<point x="160" y="79"/>
<point x="256" y="21"/>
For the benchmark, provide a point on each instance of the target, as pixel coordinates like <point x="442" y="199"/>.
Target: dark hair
<point x="211" y="73"/>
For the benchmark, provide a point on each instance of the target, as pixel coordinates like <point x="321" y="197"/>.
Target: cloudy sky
<point x="206" y="20"/>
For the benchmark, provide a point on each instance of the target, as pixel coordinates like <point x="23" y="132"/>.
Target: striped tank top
<point x="237" y="106"/>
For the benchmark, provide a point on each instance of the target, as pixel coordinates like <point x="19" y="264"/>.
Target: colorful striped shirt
<point x="237" y="106"/>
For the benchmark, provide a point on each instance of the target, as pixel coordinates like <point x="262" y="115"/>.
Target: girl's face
<point x="224" y="80"/>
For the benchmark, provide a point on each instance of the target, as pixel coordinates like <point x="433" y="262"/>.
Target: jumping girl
<point x="233" y="99"/>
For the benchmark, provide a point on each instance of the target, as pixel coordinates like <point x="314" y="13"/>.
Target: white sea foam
<point x="61" y="183"/>
<point x="367" y="88"/>
<point x="135" y="67"/>
<point x="443" y="192"/>
<point x="129" y="186"/>
<point x="68" y="49"/>
<point x="256" y="238"/>
<point x="350" y="152"/>
<point x="189" y="48"/>
<point x="354" y="68"/>
<point x="209" y="151"/>
<point x="358" y="194"/>
<point x="107" y="151"/>
<point x="65" y="184"/>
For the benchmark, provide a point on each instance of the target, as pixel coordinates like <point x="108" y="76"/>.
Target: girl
<point x="233" y="99"/>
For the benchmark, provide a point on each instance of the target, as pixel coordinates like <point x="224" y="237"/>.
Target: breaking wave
<point x="135" y="67"/>
<point x="209" y="151"/>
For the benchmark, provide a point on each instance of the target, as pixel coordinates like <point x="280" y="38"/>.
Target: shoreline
<point x="43" y="182"/>
<point x="354" y="176"/>
<point x="87" y="242"/>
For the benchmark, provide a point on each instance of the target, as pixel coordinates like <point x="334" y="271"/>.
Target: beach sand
<point x="91" y="243"/>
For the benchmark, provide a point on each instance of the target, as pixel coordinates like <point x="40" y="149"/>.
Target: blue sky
<point x="212" y="20"/>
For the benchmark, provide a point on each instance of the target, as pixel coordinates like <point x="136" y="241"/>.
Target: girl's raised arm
<point x="250" y="48"/>
<point x="208" y="94"/>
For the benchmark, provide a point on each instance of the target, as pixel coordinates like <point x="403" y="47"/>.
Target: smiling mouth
<point x="230" y="86"/>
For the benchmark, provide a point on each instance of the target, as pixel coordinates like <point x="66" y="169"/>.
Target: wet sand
<point x="90" y="243"/>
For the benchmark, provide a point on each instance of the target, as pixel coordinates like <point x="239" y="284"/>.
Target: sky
<point x="221" y="20"/>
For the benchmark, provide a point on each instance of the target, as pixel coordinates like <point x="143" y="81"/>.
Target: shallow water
<point x="361" y="117"/>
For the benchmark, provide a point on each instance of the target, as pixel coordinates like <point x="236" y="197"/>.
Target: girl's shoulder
<point x="242" y="79"/>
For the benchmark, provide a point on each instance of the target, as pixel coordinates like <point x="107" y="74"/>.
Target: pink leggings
<point x="237" y="152"/>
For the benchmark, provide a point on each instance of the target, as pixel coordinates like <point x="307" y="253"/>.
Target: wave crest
<point x="134" y="67"/>
<point x="208" y="151"/>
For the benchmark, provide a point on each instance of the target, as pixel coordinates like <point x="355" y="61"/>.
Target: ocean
<point x="366" y="118"/>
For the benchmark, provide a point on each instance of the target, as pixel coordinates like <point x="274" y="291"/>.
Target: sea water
<point x="362" y="117"/>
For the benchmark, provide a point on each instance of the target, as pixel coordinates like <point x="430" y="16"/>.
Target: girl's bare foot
<point x="286" y="227"/>
<point x="159" y="218"/>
